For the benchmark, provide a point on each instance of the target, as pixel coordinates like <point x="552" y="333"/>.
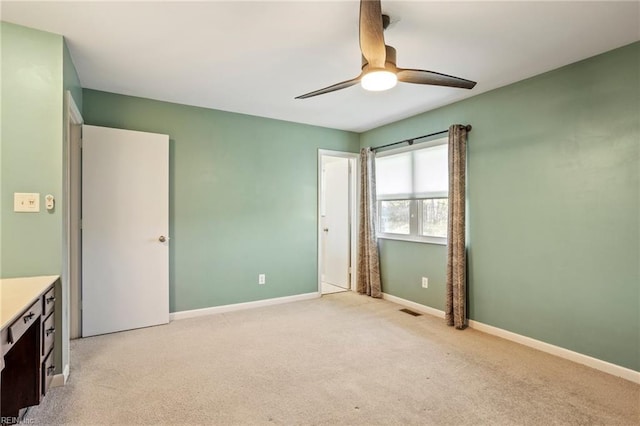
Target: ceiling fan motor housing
<point x="389" y="63"/>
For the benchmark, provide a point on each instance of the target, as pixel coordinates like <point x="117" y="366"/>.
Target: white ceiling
<point x="255" y="57"/>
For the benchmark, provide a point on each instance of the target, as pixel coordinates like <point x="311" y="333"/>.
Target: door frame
<point x="71" y="232"/>
<point x="354" y="192"/>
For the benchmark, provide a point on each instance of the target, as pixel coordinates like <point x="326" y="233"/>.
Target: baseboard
<point x="413" y="305"/>
<point x="61" y="379"/>
<point x="598" y="364"/>
<point x="241" y="306"/>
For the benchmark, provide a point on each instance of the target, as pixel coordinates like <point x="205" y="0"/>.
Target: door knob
<point x="326" y="229"/>
<point x="162" y="238"/>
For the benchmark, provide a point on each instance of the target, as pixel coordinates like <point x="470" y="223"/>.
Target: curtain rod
<point x="410" y="141"/>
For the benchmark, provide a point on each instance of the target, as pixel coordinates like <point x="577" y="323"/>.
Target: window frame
<point x="415" y="204"/>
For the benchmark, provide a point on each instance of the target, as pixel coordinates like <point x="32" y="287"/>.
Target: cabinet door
<point x="22" y="372"/>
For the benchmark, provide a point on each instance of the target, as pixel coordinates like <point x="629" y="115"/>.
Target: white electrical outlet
<point x="425" y="282"/>
<point x="262" y="279"/>
<point x="27" y="202"/>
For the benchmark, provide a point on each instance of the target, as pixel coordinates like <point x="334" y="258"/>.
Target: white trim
<point x="341" y="154"/>
<point x="74" y="112"/>
<point x="70" y="255"/>
<point x="354" y="191"/>
<point x="598" y="364"/>
<point x="413" y="238"/>
<point x="71" y="219"/>
<point x="241" y="306"/>
<point x="61" y="379"/>
<point x="355" y="217"/>
<point x="413" y="305"/>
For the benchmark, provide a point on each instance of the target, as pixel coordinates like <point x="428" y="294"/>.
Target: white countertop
<point x="17" y="294"/>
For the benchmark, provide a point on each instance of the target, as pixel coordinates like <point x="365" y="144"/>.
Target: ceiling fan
<point x="379" y="70"/>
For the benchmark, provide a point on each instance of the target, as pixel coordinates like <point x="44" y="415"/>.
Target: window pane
<point x="395" y="217"/>
<point x="393" y="175"/>
<point x="434" y="217"/>
<point x="431" y="170"/>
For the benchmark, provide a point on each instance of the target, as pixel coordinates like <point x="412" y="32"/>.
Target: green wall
<point x="71" y="81"/>
<point x="402" y="266"/>
<point x="36" y="71"/>
<point x="31" y="148"/>
<point x="243" y="197"/>
<point x="553" y="210"/>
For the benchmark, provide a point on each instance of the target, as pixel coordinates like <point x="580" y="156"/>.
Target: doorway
<point x="337" y="196"/>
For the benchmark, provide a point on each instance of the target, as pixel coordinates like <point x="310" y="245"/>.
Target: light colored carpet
<point x="343" y="359"/>
<point x="330" y="288"/>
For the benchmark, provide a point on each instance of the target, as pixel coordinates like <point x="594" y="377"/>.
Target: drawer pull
<point x="50" y="331"/>
<point x="29" y="317"/>
<point x="51" y="299"/>
<point x="50" y="370"/>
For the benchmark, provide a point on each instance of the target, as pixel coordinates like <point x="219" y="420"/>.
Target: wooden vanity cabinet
<point x="27" y="339"/>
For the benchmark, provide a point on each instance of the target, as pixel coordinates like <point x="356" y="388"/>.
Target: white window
<point x="412" y="186"/>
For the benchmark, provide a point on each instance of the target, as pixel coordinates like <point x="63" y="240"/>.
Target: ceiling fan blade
<point x="371" y="33"/>
<point x="332" y="88"/>
<point x="433" y="78"/>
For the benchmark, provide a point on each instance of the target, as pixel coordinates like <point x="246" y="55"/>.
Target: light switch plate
<point x="26" y="202"/>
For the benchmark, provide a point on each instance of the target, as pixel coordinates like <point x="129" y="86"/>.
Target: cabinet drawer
<point x="48" y="370"/>
<point x="48" y="334"/>
<point x="49" y="301"/>
<point x="24" y="321"/>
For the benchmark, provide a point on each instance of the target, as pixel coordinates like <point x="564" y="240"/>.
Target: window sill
<point x="414" y="239"/>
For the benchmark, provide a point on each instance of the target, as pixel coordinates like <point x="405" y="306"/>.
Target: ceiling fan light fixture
<point x="378" y="67"/>
<point x="378" y="80"/>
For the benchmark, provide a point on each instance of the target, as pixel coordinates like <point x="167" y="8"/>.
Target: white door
<point x="125" y="225"/>
<point x="336" y="222"/>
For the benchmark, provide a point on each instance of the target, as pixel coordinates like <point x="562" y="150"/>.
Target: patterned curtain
<point x="368" y="278"/>
<point x="456" y="302"/>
